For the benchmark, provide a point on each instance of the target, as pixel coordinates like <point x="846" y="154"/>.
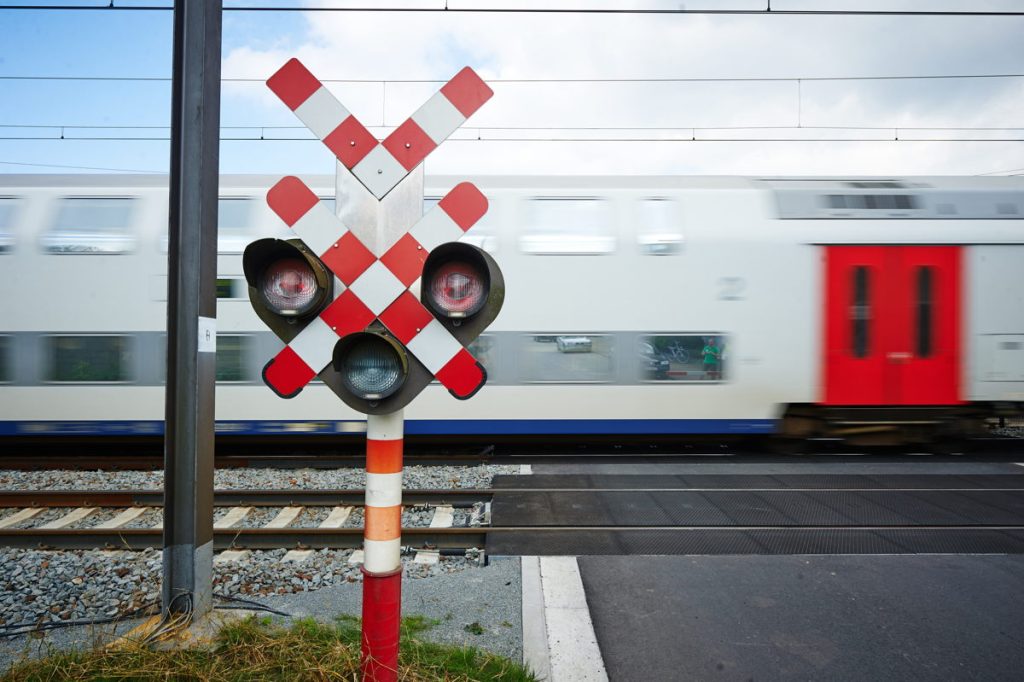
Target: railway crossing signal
<point x="347" y="314"/>
<point x="290" y="289"/>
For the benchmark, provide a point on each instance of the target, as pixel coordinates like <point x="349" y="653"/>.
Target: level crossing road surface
<point x="896" y="614"/>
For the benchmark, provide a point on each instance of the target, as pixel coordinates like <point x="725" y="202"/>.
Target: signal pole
<point x="378" y="245"/>
<point x="191" y="309"/>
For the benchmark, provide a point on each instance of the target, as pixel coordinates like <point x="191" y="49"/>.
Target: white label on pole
<point x="207" y="335"/>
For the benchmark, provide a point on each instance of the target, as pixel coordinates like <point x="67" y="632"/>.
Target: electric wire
<point x="543" y="81"/>
<point x="469" y="9"/>
<point x="249" y="604"/>
<point x="520" y="139"/>
<point x="24" y="628"/>
<point x="69" y="167"/>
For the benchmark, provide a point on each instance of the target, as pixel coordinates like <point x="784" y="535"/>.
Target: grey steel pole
<point x="192" y="309"/>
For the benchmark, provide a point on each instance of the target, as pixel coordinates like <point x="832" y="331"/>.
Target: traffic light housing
<point x="372" y="371"/>
<point x="288" y="285"/>
<point x="464" y="288"/>
<point x="467" y="294"/>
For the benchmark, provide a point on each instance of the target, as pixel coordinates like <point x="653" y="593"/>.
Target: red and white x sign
<point x="379" y="165"/>
<point x="377" y="288"/>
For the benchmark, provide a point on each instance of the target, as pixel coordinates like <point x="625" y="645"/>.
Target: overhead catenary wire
<point x="444" y="7"/>
<point x="281" y="133"/>
<point x="539" y="81"/>
<point x="70" y="167"/>
<point x="559" y="139"/>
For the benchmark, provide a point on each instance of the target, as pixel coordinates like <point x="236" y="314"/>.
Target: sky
<point x="597" y="79"/>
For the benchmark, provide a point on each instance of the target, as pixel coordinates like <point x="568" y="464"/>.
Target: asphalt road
<point x="870" y="618"/>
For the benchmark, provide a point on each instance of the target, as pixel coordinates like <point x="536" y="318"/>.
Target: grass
<point x="257" y="649"/>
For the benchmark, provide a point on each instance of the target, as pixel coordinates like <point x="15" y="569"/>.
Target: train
<point x="871" y="309"/>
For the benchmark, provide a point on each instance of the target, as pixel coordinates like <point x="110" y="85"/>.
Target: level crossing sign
<point x="429" y="332"/>
<point x="374" y="342"/>
<point x="379" y="165"/>
<point x="377" y="289"/>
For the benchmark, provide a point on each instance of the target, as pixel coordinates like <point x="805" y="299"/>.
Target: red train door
<point x="892" y="325"/>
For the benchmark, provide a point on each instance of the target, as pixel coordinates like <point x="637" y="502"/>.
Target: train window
<point x="231" y="288"/>
<point x="889" y="202"/>
<point x="568" y="226"/>
<point x="7" y="209"/>
<point x="483" y="349"/>
<point x="481" y="234"/>
<point x="682" y="357"/>
<point x="233" y="354"/>
<point x="89" y="358"/>
<point x="924" y="310"/>
<point x="860" y="311"/>
<point x="91" y="225"/>
<point x="234" y="224"/>
<point x="567" y="358"/>
<point x="658" y="232"/>
<point x="5" y="359"/>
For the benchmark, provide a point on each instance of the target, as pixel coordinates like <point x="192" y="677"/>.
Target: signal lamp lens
<point x="457" y="289"/>
<point x="371" y="367"/>
<point x="289" y="286"/>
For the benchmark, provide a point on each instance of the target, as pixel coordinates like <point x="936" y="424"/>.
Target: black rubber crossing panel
<point x="766" y="482"/>
<point x="757" y="508"/>
<point x="718" y="541"/>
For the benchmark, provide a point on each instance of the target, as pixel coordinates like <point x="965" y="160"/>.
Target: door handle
<point x="904" y="356"/>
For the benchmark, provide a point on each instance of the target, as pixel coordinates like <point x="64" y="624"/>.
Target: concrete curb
<point x="559" y="643"/>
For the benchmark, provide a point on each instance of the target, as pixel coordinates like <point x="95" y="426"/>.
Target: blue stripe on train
<point x="412" y="427"/>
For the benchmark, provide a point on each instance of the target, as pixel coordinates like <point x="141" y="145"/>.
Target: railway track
<point x="753" y="514"/>
<point x="224" y="498"/>
<point x="273" y="535"/>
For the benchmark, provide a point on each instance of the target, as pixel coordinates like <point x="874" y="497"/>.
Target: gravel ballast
<point x="50" y="586"/>
<point x="413" y="478"/>
<point x="481" y="607"/>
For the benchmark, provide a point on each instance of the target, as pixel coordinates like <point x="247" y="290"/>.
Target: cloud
<point x="433" y="46"/>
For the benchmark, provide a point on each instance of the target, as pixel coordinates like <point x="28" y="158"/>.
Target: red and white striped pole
<point x="382" y="540"/>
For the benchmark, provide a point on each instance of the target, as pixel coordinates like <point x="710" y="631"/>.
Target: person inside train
<point x="711" y="359"/>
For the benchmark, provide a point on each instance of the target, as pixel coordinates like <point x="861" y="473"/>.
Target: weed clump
<point x="258" y="649"/>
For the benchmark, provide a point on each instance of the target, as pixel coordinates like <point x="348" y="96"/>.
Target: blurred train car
<point x="871" y="308"/>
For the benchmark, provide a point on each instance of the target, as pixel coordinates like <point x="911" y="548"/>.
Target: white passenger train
<point x="635" y="305"/>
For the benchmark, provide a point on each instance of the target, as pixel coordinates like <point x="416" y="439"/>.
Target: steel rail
<point x="457" y="498"/>
<point x="416" y="538"/>
<point x="233" y="498"/>
<point x="237" y="538"/>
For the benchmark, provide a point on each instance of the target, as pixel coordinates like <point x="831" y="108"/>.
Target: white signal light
<point x="289" y="286"/>
<point x="372" y="366"/>
<point x="457" y="289"/>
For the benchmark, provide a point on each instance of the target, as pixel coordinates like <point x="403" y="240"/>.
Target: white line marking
<point x="18" y="517"/>
<point x="337" y="517"/>
<point x="69" y="518"/>
<point x="572" y="643"/>
<point x="526" y="469"/>
<point x="235" y="515"/>
<point x="427" y="556"/>
<point x="535" y="629"/>
<point x="230" y="556"/>
<point x="444" y="517"/>
<point x="298" y="555"/>
<point x="124" y="517"/>
<point x="284" y="517"/>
